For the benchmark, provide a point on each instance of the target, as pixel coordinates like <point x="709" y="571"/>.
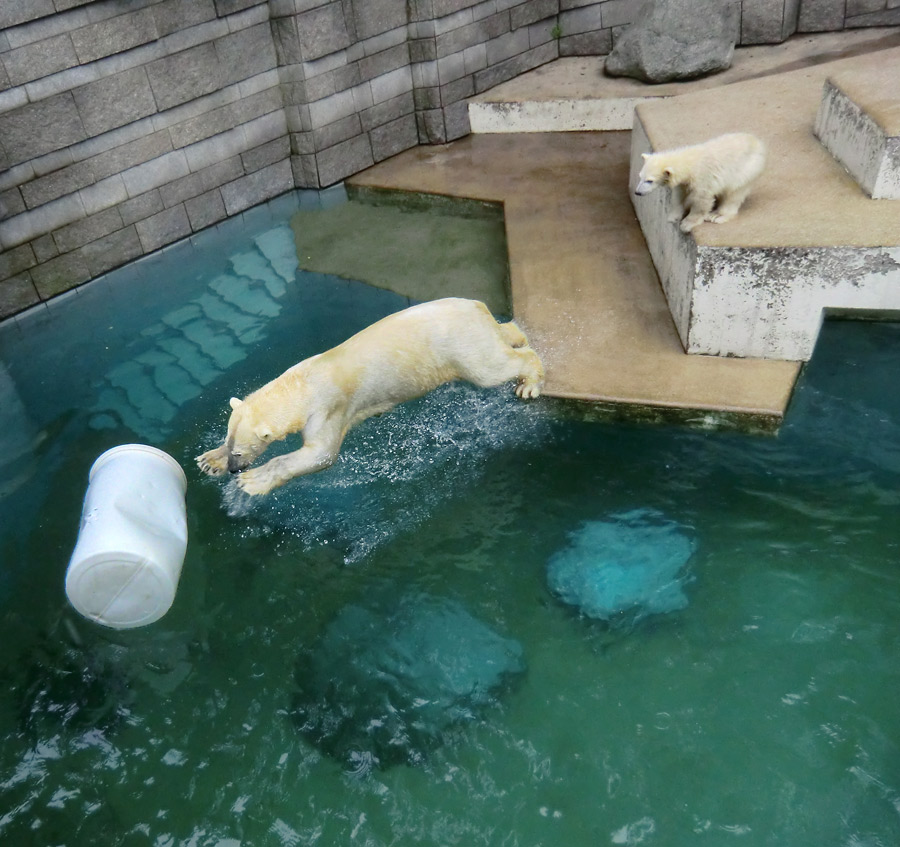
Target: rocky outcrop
<point x="677" y="39"/>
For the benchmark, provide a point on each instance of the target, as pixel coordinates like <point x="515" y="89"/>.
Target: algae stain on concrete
<point x="422" y="250"/>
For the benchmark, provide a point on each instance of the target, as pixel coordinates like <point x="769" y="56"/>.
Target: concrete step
<point x="859" y="124"/>
<point x="808" y="241"/>
<point x="583" y="286"/>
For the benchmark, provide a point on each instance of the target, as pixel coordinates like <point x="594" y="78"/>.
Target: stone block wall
<point x="772" y="21"/>
<point x="126" y="125"/>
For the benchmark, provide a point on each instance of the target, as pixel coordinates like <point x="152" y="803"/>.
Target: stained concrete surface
<point x="582" y="78"/>
<point x="582" y="281"/>
<point x="804" y="198"/>
<point x="583" y="285"/>
<point x="859" y="122"/>
<point x="873" y="83"/>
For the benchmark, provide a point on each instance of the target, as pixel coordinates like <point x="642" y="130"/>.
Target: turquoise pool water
<point x="761" y="711"/>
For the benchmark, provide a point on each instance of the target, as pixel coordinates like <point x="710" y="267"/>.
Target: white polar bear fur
<point x="709" y="181"/>
<point x="402" y="356"/>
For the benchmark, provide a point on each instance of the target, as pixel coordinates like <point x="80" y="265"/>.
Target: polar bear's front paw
<point x="256" y="482"/>
<point x="213" y="462"/>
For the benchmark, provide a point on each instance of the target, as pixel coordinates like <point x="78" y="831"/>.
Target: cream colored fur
<point x="709" y="181"/>
<point x="402" y="356"/>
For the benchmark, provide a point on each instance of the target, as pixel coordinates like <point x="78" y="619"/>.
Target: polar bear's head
<point x="247" y="436"/>
<point x="654" y="173"/>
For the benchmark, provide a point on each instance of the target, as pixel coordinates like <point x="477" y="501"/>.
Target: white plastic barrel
<point x="126" y="564"/>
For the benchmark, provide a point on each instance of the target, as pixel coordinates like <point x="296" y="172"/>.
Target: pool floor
<point x="761" y="712"/>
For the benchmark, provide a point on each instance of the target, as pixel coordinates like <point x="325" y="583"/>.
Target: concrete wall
<point x="126" y="125"/>
<point x="772" y="21"/>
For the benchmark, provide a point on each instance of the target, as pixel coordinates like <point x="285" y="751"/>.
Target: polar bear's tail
<point x="512" y="335"/>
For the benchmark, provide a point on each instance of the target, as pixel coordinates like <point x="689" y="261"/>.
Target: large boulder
<point x="386" y="682"/>
<point x="672" y="40"/>
<point x="623" y="569"/>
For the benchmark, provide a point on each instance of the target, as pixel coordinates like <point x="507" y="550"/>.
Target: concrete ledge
<point x="769" y="303"/>
<point x="806" y="242"/>
<point x="611" y="113"/>
<point x="583" y="286"/>
<point x="674" y="254"/>
<point x="757" y="302"/>
<point x="573" y="94"/>
<point x="859" y="124"/>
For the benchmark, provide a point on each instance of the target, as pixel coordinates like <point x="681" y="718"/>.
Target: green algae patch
<point x="598" y="411"/>
<point x="424" y="251"/>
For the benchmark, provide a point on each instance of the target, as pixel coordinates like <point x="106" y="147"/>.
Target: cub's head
<point x="247" y="438"/>
<point x="653" y="173"/>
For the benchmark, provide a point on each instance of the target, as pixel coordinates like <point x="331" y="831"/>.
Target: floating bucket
<point x="126" y="564"/>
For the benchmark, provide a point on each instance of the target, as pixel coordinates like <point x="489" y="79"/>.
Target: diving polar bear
<point x="402" y="356"/>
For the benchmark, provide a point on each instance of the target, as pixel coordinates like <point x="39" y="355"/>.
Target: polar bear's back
<point x="729" y="161"/>
<point x="411" y="352"/>
<point x="438" y="330"/>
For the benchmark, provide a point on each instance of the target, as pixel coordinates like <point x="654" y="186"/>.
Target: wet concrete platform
<point x="583" y="284"/>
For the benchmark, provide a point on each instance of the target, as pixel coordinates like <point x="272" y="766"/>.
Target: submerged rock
<point x="677" y="39"/>
<point x="383" y="684"/>
<point x="623" y="569"/>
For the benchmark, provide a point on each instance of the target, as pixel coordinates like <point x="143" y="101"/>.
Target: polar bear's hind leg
<point x="503" y="364"/>
<point x="700" y="204"/>
<point x="512" y="335"/>
<point x="729" y="204"/>
<point x="527" y="367"/>
<point x="530" y="379"/>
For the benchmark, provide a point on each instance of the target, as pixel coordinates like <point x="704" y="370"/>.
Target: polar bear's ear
<point x="263" y="432"/>
<point x="234" y="402"/>
<point x="667" y="173"/>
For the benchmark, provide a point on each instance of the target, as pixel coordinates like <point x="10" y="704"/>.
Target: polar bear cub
<point x="402" y="356"/>
<point x="709" y="181"/>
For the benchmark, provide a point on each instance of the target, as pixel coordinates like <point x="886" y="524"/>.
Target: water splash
<point x="396" y="470"/>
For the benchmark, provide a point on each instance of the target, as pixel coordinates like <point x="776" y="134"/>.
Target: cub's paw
<point x="213" y="462"/>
